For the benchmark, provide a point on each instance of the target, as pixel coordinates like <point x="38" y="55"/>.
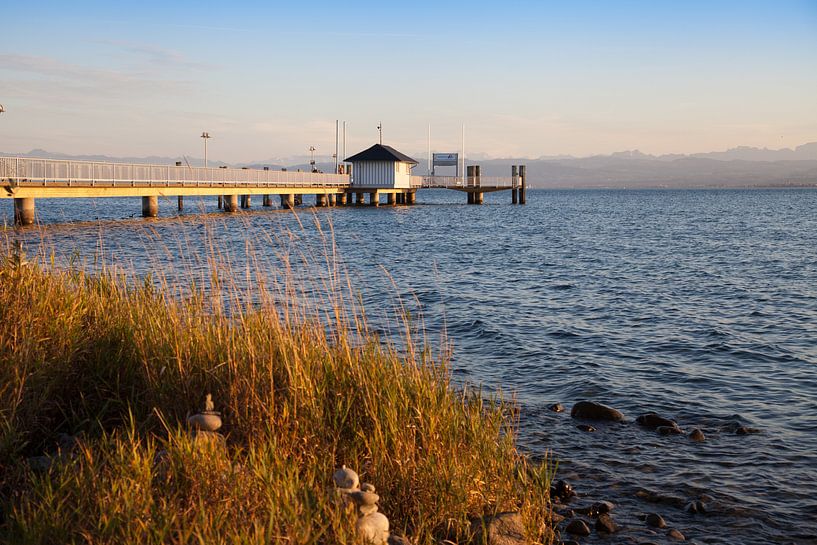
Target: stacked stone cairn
<point x="372" y="527"/>
<point x="206" y="423"/>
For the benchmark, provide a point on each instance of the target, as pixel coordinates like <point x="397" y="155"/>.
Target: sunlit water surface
<point x="700" y="305"/>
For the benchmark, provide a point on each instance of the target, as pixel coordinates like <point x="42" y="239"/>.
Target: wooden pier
<point x="25" y="179"/>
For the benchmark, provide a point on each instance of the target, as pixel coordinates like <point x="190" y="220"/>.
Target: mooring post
<point x="478" y="182"/>
<point x="514" y="184"/>
<point x="469" y="180"/>
<point x="24" y="211"/>
<point x="231" y="203"/>
<point x="522" y="183"/>
<point x="267" y="201"/>
<point x="220" y="202"/>
<point x="150" y="207"/>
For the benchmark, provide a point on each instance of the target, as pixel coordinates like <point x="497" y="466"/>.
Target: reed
<point x="118" y="362"/>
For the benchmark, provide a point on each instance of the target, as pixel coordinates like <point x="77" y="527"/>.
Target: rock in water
<point x="697" y="436"/>
<point x="606" y="525"/>
<point x="654" y="420"/>
<point x="590" y="410"/>
<point x="675" y="535"/>
<point x="655" y="520"/>
<point x="373" y="529"/>
<point x="669" y="430"/>
<point x="586" y="427"/>
<point x="603" y="507"/>
<point x="578" y="527"/>
<point x="501" y="529"/>
<point x="556" y="407"/>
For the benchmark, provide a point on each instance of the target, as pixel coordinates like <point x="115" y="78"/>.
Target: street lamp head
<point x="206" y="135"/>
<point x="2" y="109"/>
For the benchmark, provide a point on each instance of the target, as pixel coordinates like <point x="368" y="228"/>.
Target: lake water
<point x="699" y="305"/>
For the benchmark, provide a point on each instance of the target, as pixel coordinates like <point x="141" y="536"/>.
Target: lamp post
<point x="206" y="136"/>
<point x="312" y="157"/>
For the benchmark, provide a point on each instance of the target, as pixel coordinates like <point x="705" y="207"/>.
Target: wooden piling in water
<point x="514" y="184"/>
<point x="220" y="202"/>
<point x="180" y="203"/>
<point x="522" y="183"/>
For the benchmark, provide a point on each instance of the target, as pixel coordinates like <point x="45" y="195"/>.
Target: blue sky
<point x="526" y="78"/>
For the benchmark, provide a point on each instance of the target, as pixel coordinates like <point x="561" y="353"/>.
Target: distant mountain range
<point x="738" y="167"/>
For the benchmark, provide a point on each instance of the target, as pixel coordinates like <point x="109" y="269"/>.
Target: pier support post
<point x="299" y="199"/>
<point x="411" y="197"/>
<point x="478" y="182"/>
<point x="478" y="197"/>
<point x="150" y="207"/>
<point x="331" y="197"/>
<point x="245" y="201"/>
<point x="220" y="202"/>
<point x="374" y="199"/>
<point x="320" y="200"/>
<point x="391" y="199"/>
<point x="231" y="203"/>
<point x="514" y="184"/>
<point x="24" y="211"/>
<point x="522" y="183"/>
<point x="267" y="201"/>
<point x="469" y="181"/>
<point x="288" y="201"/>
<point x="359" y="199"/>
<point x="181" y="203"/>
<point x="341" y="199"/>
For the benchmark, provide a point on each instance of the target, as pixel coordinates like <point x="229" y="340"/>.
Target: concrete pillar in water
<point x="320" y="200"/>
<point x="267" y="201"/>
<point x="359" y="198"/>
<point x="391" y="199"/>
<point x="231" y="203"/>
<point x="150" y="207"/>
<point x="181" y="203"/>
<point x="288" y="201"/>
<point x="23" y="211"/>
<point x="299" y="199"/>
<point x="341" y="199"/>
<point x="411" y="197"/>
<point x="523" y="182"/>
<point x="469" y="181"/>
<point x="514" y="184"/>
<point x="220" y="202"/>
<point x="245" y="201"/>
<point x="331" y="197"/>
<point x="374" y="199"/>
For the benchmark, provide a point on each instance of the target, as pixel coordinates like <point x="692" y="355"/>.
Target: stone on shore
<point x="501" y="529"/>
<point x="373" y="529"/>
<point x="590" y="410"/>
<point x="578" y="527"/>
<point x="605" y="524"/>
<point x="398" y="540"/>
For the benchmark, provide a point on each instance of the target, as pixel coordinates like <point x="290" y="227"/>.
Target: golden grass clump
<point x="119" y="364"/>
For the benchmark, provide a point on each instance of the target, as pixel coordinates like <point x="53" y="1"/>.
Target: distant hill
<point x="737" y="167"/>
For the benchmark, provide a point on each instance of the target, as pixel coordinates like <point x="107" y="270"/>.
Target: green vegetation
<point x="119" y="364"/>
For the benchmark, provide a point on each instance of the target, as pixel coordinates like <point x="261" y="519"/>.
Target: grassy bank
<point x="98" y="374"/>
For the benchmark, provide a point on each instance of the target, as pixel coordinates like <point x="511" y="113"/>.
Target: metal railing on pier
<point x="454" y="182"/>
<point x="90" y="173"/>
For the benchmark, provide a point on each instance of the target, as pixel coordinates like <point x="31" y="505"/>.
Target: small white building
<point x="381" y="167"/>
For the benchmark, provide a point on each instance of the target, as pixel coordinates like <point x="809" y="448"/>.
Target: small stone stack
<point x="206" y="423"/>
<point x="372" y="526"/>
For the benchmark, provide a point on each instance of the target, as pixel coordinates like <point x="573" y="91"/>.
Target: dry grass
<point x="120" y="364"/>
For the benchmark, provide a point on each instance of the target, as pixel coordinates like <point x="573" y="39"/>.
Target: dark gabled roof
<point x="379" y="152"/>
